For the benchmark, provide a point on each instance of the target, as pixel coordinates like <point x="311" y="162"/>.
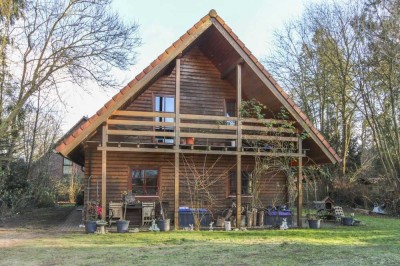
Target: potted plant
<point x="91" y="217"/>
<point x="314" y="222"/>
<point x="122" y="224"/>
<point x="190" y="140"/>
<point x="347" y="221"/>
<point x="163" y="222"/>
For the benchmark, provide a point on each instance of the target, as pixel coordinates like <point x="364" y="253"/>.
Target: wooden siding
<point x="118" y="164"/>
<point x="203" y="92"/>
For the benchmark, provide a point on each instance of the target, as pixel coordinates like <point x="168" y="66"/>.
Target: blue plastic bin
<point x="274" y="218"/>
<point x="186" y="216"/>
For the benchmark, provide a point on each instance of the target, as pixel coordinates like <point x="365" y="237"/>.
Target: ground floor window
<point x="245" y="183"/>
<point x="145" y="181"/>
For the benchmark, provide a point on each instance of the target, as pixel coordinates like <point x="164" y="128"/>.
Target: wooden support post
<point x="176" y="204"/>
<point x="238" y="146"/>
<point x="300" y="185"/>
<point x="238" y="190"/>
<point x="177" y="102"/>
<point x="177" y="141"/>
<point x="104" y="141"/>
<point x="238" y="104"/>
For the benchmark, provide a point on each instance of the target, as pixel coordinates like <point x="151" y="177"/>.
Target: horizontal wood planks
<point x="273" y="189"/>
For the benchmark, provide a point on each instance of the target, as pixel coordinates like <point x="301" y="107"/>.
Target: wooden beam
<point x="139" y="123"/>
<point x="269" y="129"/>
<point x="238" y="146"/>
<point x="104" y="140"/>
<point x="231" y="68"/>
<point x="177" y="102"/>
<point x="276" y="138"/>
<point x="140" y="133"/>
<point x="176" y="193"/>
<point x="208" y="117"/>
<point x="238" y="105"/>
<point x="267" y="121"/>
<point x="143" y="114"/>
<point x="193" y="151"/>
<point x="177" y="141"/>
<point x="208" y="135"/>
<point x="238" y="190"/>
<point x="300" y="186"/>
<point x="207" y="126"/>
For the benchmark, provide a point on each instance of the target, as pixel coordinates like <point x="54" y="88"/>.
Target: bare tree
<point x="54" y="43"/>
<point x="202" y="177"/>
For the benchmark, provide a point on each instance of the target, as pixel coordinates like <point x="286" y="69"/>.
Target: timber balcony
<point x="171" y="133"/>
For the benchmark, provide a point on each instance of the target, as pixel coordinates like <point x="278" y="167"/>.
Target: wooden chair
<point x="338" y="213"/>
<point x="148" y="212"/>
<point x="115" y="212"/>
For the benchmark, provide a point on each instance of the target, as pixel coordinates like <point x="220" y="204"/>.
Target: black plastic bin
<point x="186" y="216"/>
<point x="274" y="218"/>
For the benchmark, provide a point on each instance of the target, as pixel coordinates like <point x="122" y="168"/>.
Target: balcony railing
<point x="208" y="131"/>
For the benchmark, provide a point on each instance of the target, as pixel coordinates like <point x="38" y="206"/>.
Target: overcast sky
<point x="162" y="22"/>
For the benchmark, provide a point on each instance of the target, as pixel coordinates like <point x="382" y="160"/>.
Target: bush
<point x="45" y="198"/>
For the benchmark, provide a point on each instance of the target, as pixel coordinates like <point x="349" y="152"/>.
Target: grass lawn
<point x="378" y="242"/>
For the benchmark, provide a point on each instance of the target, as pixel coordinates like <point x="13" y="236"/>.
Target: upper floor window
<point x="230" y="110"/>
<point x="144" y="181"/>
<point x="230" y="107"/>
<point x="165" y="104"/>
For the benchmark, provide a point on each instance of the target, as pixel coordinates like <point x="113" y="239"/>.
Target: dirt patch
<point x="44" y="218"/>
<point x="32" y="224"/>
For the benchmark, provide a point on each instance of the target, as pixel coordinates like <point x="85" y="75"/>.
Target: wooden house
<point x="142" y="139"/>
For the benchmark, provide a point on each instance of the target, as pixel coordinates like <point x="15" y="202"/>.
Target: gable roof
<point x="75" y="136"/>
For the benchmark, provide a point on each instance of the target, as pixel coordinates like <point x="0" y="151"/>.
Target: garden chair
<point x="338" y="213"/>
<point x="115" y="212"/>
<point x="148" y="211"/>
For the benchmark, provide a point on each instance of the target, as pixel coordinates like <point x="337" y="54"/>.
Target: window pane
<point x="245" y="182"/>
<point x="158" y="106"/>
<point x="169" y="104"/>
<point x="137" y="178"/>
<point x="138" y="190"/>
<point x="231" y="108"/>
<point x="67" y="170"/>
<point x="67" y="162"/>
<point x="151" y="181"/>
<point x="145" y="182"/>
<point x="164" y="104"/>
<point x="151" y="191"/>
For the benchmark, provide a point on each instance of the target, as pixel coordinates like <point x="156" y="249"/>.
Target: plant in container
<point x="314" y="222"/>
<point x="190" y="140"/>
<point x="163" y="222"/>
<point x="122" y="224"/>
<point x="91" y="213"/>
<point x="347" y="221"/>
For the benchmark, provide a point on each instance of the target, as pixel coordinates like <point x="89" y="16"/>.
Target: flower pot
<point x="122" y="226"/>
<point x="90" y="227"/>
<point x="190" y="140"/>
<point x="164" y="225"/>
<point x="347" y="221"/>
<point x="314" y="224"/>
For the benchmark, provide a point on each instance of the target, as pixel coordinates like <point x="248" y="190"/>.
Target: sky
<point x="162" y="22"/>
